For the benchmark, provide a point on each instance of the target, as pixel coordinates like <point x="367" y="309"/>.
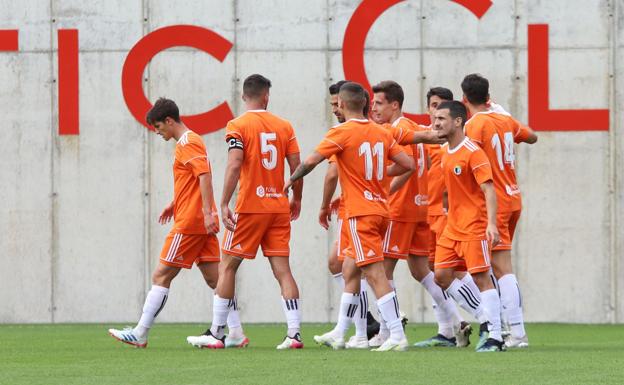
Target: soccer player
<point x="471" y="226"/>
<point x="407" y="237"/>
<point x="446" y="313"/>
<point x="496" y="132"/>
<point x="259" y="144"/>
<point x="365" y="323"/>
<point x="362" y="149"/>
<point x="193" y="236"/>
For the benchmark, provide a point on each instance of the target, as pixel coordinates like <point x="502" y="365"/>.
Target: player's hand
<point x="333" y="206"/>
<point x="295" y="209"/>
<point x="166" y="214"/>
<point x="287" y="186"/>
<point x="432" y="137"/>
<point x="211" y="224"/>
<point x="492" y="235"/>
<point x="325" y="217"/>
<point x="228" y="218"/>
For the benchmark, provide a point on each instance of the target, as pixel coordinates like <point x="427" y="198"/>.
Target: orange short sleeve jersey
<point x="266" y="140"/>
<point x="362" y="150"/>
<point x="409" y="204"/>
<point x="191" y="160"/>
<point x="465" y="168"/>
<point x="496" y="134"/>
<point x="435" y="185"/>
<point x="341" y="205"/>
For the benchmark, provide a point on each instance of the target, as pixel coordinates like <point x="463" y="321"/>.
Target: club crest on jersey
<point x="457" y="170"/>
<point x="368" y="195"/>
<point x="260" y="191"/>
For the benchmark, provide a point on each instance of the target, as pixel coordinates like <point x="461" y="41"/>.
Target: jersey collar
<point x="460" y="145"/>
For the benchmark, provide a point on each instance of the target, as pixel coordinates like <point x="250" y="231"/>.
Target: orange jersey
<point x="362" y="150"/>
<point x="191" y="160"/>
<point x="435" y="186"/>
<point x="465" y="168"/>
<point x="409" y="204"/>
<point x="496" y="134"/>
<point x="341" y="205"/>
<point x="266" y="141"/>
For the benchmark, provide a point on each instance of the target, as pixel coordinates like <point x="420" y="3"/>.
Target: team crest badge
<point x="457" y="170"/>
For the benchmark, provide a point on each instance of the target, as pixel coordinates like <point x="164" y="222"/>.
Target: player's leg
<point x="511" y="298"/>
<point x="275" y="246"/>
<point x="334" y="263"/>
<point x="392" y="254"/>
<point x="174" y="255"/>
<point x="349" y="303"/>
<point x="367" y="235"/>
<point x="477" y="256"/>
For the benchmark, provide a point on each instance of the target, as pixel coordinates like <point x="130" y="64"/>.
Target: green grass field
<point x="85" y="354"/>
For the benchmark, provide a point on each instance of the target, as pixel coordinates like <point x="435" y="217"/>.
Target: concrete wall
<point x="78" y="214"/>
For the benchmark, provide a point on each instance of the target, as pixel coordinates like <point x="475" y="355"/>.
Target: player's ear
<point x="464" y="99"/>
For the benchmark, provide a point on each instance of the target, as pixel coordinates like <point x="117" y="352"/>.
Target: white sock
<point x="361" y="315"/>
<point x="292" y="309"/>
<point x="511" y="304"/>
<point x="494" y="282"/>
<point x="467" y="280"/>
<point x="491" y="308"/>
<point x="383" y="327"/>
<point x="466" y="298"/>
<point x="443" y="307"/>
<point x="339" y="280"/>
<point x="220" y="310"/>
<point x="154" y="303"/>
<point x="388" y="306"/>
<point x="235" y="329"/>
<point x="348" y="308"/>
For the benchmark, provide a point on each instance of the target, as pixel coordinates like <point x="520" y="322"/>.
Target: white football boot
<point x="329" y="339"/>
<point x="356" y="342"/>
<point x="127" y="336"/>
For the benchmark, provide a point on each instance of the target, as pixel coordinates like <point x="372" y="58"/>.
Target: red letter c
<point x="159" y="40"/>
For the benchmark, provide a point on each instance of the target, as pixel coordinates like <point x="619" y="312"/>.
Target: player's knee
<point x="163" y="276"/>
<point x="334" y="265"/>
<point x="443" y="279"/>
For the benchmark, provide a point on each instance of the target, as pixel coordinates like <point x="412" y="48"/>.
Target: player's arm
<point x="304" y="169"/>
<point x="525" y="134"/>
<point x="329" y="188"/>
<point x="425" y="136"/>
<point x="402" y="164"/>
<point x="491" y="206"/>
<point x="232" y="174"/>
<point x="166" y="214"/>
<point x="294" y="160"/>
<point x="399" y="181"/>
<point x="207" y="194"/>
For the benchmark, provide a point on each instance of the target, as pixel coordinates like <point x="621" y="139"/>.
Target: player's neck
<point x="396" y="116"/>
<point x="179" y="130"/>
<point x="255" y="106"/>
<point x="348" y="115"/>
<point x="476" y="108"/>
<point x="456" y="138"/>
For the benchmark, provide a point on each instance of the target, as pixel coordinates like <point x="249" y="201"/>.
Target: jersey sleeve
<point x="395" y="149"/>
<point x="474" y="130"/>
<point x="333" y="143"/>
<point x="480" y="167"/>
<point x="193" y="156"/>
<point x="234" y="136"/>
<point x="332" y="159"/>
<point x="292" y="146"/>
<point x="521" y="132"/>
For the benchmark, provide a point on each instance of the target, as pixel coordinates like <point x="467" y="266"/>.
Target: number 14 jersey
<point x="496" y="134"/>
<point x="266" y="140"/>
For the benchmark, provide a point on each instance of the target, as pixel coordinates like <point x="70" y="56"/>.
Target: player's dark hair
<point x="335" y="88"/>
<point x="441" y="92"/>
<point x="392" y="90"/>
<point x="456" y="110"/>
<point x="476" y="88"/>
<point x="353" y="95"/>
<point x="163" y="109"/>
<point x="366" y="109"/>
<point x="255" y="86"/>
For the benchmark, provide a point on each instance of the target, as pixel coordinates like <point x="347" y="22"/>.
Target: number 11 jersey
<point x="266" y="140"/>
<point x="362" y="150"/>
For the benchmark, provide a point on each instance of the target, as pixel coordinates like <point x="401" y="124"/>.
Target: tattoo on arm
<point x="301" y="171"/>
